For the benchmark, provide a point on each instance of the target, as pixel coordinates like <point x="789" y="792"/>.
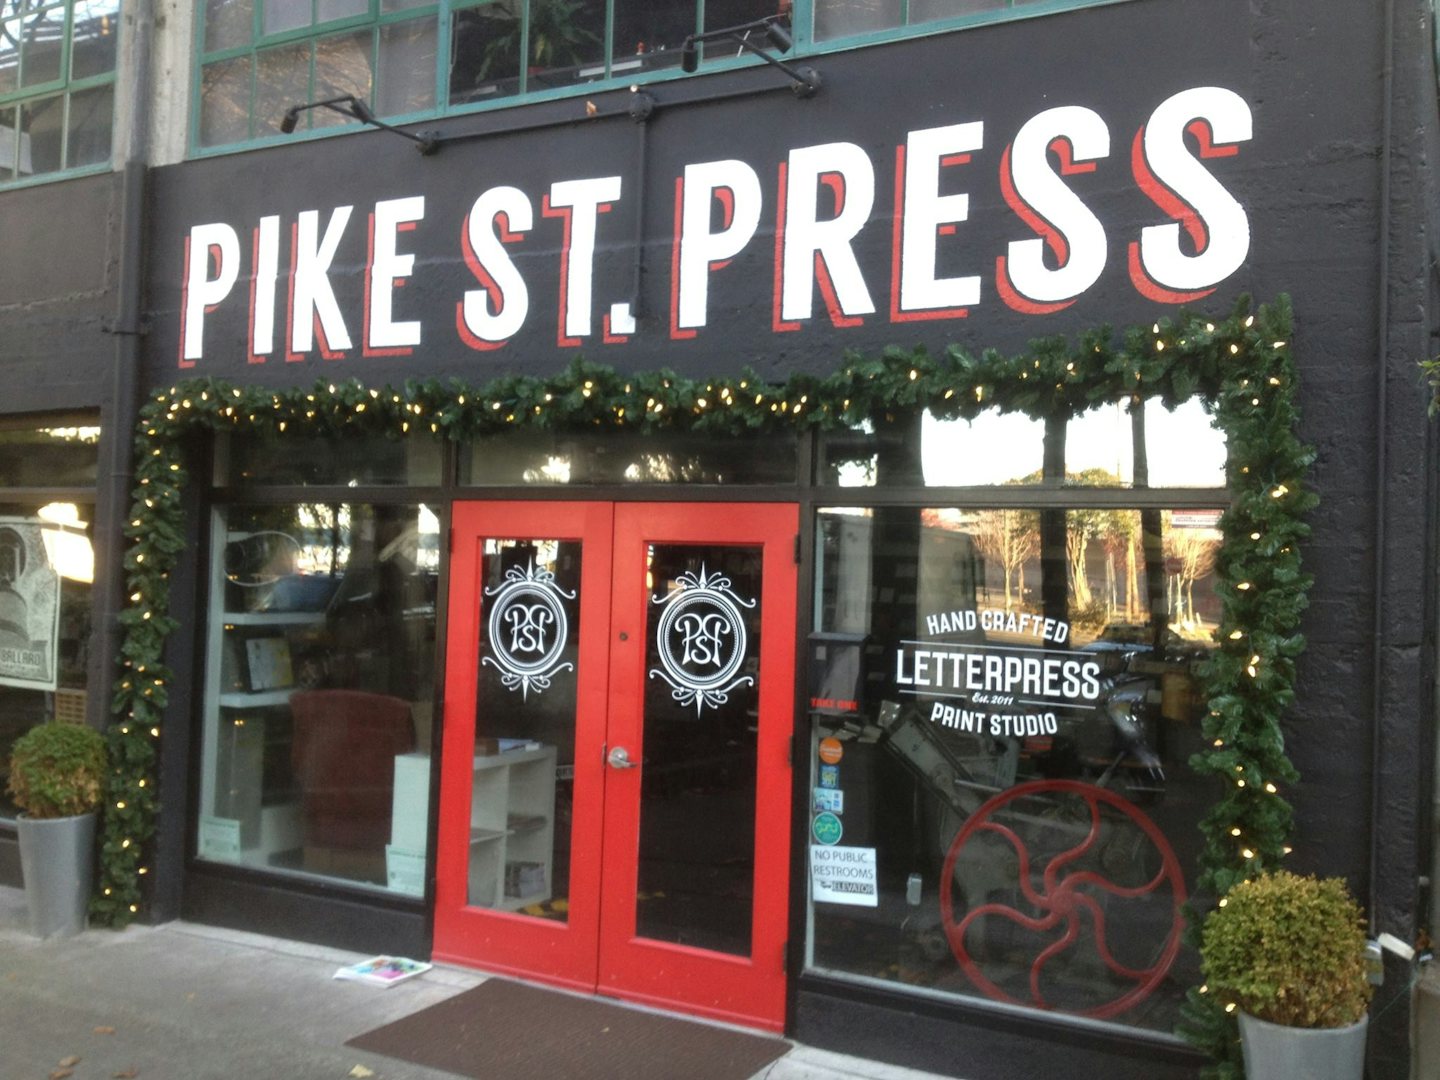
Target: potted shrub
<point x="1289" y="953"/>
<point x="57" y="779"/>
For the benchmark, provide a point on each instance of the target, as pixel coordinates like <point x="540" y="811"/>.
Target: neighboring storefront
<point x="59" y="585"/>
<point x="641" y="543"/>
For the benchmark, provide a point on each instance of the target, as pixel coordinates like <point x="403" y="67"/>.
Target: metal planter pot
<point x="57" y="859"/>
<point x="1277" y="1052"/>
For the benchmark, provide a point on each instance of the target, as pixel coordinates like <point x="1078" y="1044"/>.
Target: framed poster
<point x="29" y="606"/>
<point x="268" y="663"/>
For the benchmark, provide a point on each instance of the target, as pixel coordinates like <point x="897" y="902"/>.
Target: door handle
<point x="619" y="758"/>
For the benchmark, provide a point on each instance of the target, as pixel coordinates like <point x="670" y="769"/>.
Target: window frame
<point x="805" y="47"/>
<point x="1050" y="495"/>
<point x="64" y="87"/>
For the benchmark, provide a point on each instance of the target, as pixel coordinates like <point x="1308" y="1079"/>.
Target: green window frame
<point x="57" y="87"/>
<point x="411" y="60"/>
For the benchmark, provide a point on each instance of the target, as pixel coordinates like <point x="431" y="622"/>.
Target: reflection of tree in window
<point x="1190" y="555"/>
<point x="1010" y="539"/>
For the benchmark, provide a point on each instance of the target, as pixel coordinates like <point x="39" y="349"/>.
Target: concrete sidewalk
<point x="188" y="1002"/>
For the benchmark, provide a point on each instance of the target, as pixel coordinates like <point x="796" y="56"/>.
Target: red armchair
<point x="344" y="757"/>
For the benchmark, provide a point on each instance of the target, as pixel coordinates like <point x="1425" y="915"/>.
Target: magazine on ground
<point x="383" y="970"/>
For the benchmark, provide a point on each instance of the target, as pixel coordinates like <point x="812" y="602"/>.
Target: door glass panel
<point x="697" y="794"/>
<point x="521" y="808"/>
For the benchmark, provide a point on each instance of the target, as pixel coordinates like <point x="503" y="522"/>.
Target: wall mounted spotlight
<point x="427" y="142"/>
<point x="777" y="35"/>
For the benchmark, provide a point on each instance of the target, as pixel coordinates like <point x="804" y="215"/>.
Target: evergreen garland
<point x="1240" y="366"/>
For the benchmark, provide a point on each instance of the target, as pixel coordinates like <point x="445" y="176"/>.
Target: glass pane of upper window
<point x="88" y="130"/>
<point x="406" y="67"/>
<point x="96" y="29"/>
<point x="1184" y="447"/>
<point x="722" y="16"/>
<point x="649" y="35"/>
<point x="994" y="448"/>
<point x="1106" y="447"/>
<point x="9" y="54"/>
<point x="228" y="23"/>
<point x="44" y="37"/>
<point x="42" y="135"/>
<point x="225" y="102"/>
<point x="930" y="10"/>
<point x="342" y="66"/>
<point x="671" y="458"/>
<point x="329" y="10"/>
<point x="282" y="15"/>
<point x="255" y="460"/>
<point x="1117" y="445"/>
<point x="282" y="79"/>
<point x="59" y="453"/>
<point x="841" y="18"/>
<point x="9" y="144"/>
<point x="484" y="54"/>
<point x="567" y="42"/>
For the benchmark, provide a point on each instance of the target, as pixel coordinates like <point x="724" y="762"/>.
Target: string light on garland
<point x="1240" y="366"/>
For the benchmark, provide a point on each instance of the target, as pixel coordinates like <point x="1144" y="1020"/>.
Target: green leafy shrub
<point x="58" y="770"/>
<point x="1290" y="950"/>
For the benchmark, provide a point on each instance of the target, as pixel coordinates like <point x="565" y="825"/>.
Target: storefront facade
<point x="612" y="546"/>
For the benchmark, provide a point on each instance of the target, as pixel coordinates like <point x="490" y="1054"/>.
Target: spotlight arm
<point x="427" y="142"/>
<point x="807" y="79"/>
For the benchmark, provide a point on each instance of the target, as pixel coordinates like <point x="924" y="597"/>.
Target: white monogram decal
<point x="527" y="624"/>
<point x="527" y="629"/>
<point x="701" y="640"/>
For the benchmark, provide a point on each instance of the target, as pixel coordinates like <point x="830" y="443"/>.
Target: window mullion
<point x="609" y="36"/>
<point x="65" y="131"/>
<point x="525" y="47"/>
<point x="443" y="14"/>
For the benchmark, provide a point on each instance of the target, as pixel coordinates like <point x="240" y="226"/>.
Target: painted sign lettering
<point x="813" y="221"/>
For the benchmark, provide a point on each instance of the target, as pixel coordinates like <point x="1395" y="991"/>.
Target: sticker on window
<point x="843" y="875"/>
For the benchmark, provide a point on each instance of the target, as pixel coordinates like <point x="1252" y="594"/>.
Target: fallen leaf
<point x="105" y="1030"/>
<point x="61" y="1074"/>
<point x="70" y="1062"/>
<point x="360" y="1072"/>
<point x="126" y="1074"/>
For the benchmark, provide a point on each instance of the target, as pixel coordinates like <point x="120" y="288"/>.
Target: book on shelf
<point x="268" y="662"/>
<point x="507" y="745"/>
<point x="524" y="879"/>
<point x="383" y="970"/>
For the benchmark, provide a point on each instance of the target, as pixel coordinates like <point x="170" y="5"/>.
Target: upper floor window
<point x="57" y="85"/>
<point x="845" y="18"/>
<point x="409" y="59"/>
<point x="413" y="57"/>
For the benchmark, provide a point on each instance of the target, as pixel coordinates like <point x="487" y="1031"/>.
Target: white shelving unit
<point x="234" y="825"/>
<point x="512" y="824"/>
<point x="405" y="854"/>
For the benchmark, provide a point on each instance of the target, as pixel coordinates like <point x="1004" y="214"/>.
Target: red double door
<point x="615" y="785"/>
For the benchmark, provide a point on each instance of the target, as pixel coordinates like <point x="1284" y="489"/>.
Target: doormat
<point x="504" y="1030"/>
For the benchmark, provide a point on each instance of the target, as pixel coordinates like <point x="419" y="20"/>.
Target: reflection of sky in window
<point x="1182" y="448"/>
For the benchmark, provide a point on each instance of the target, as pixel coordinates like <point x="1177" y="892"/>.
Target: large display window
<point x="319" y="689"/>
<point x="47" y="571"/>
<point x="1003" y="702"/>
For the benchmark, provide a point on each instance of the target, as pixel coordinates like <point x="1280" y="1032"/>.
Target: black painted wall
<point x="59" y="267"/>
<point x="57" y="278"/>
<point x="1339" y="189"/>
